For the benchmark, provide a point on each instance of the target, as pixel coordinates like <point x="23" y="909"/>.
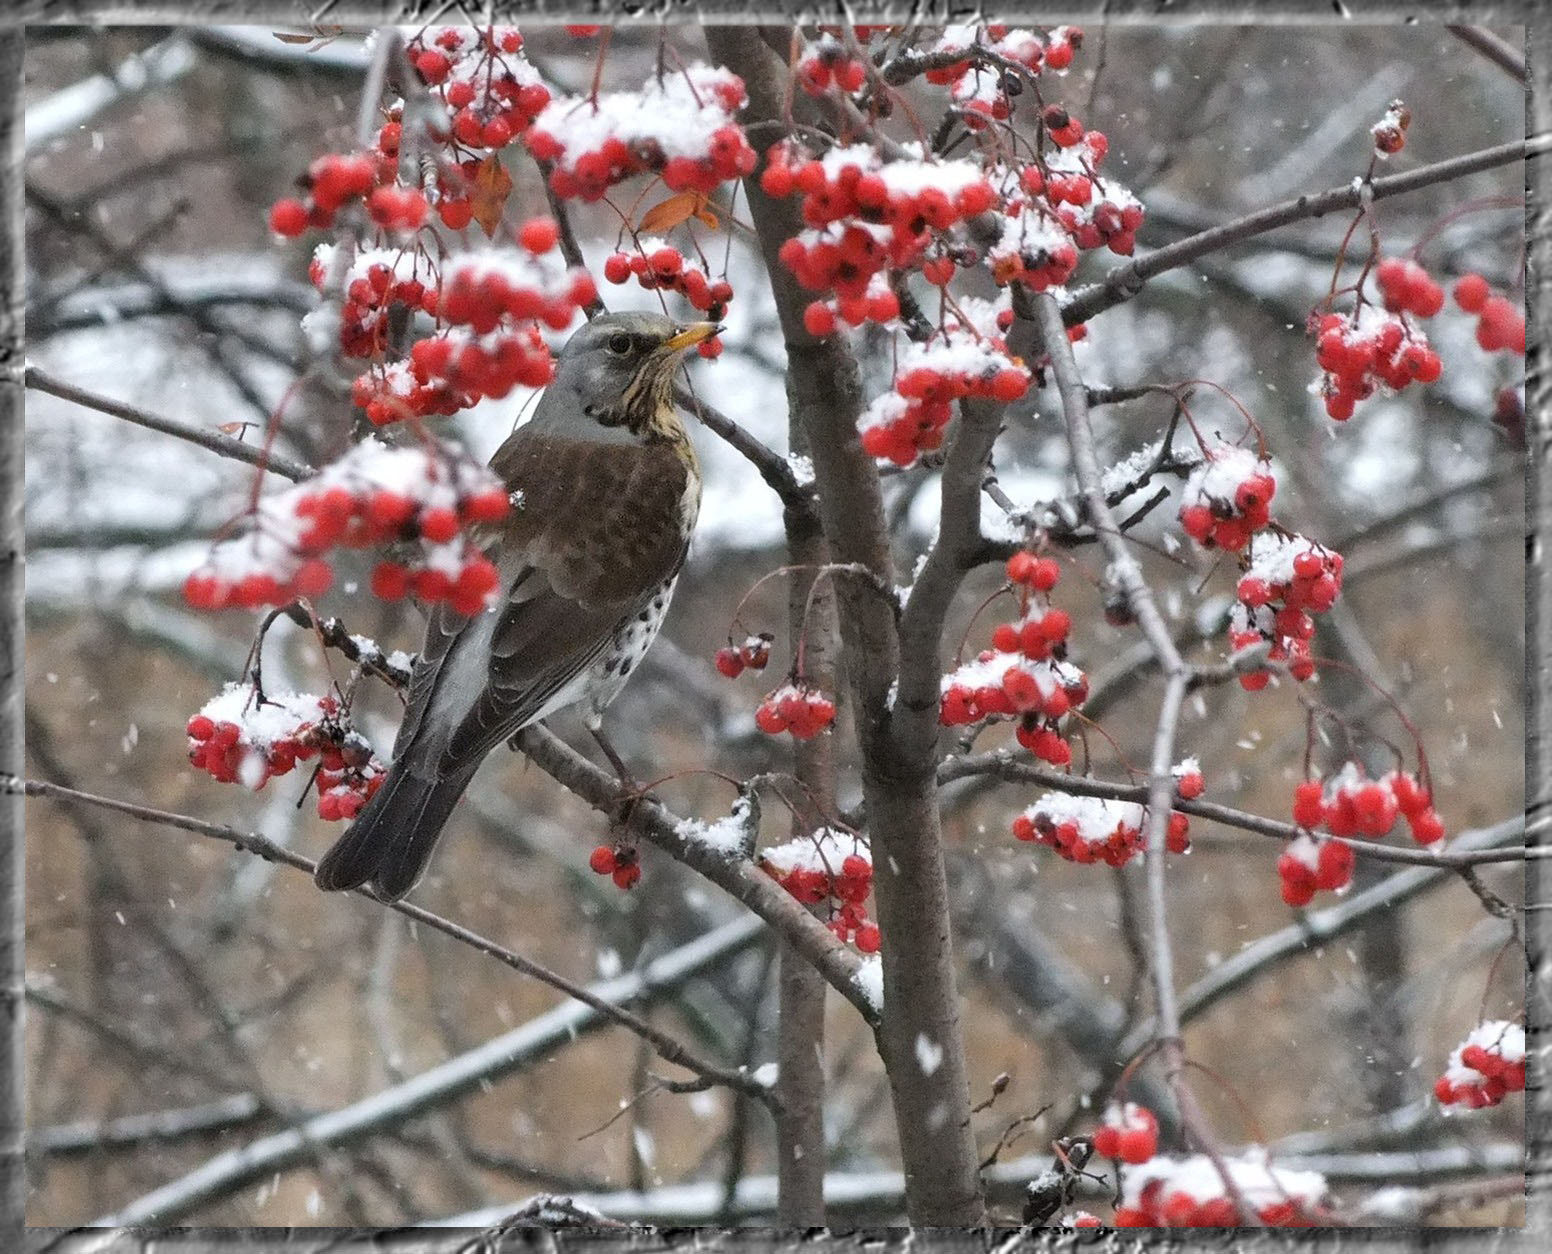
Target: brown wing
<point x="598" y="529"/>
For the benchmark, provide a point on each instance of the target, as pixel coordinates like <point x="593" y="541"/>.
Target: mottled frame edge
<point x="1537" y="1233"/>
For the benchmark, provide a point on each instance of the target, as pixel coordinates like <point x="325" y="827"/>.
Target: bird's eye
<point x="619" y="343"/>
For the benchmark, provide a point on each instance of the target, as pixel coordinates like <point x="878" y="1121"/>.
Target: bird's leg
<point x="615" y="760"/>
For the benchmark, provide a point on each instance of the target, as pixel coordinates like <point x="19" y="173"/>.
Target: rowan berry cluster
<point x="959" y="361"/>
<point x="1390" y="131"/>
<point x="1286" y="580"/>
<point x="1054" y="52"/>
<point x="622" y="863"/>
<point x="1227" y="497"/>
<point x="868" y="215"/>
<point x="831" y="867"/>
<point x="753" y="654"/>
<point x="1190" y="1193"/>
<point x="797" y="708"/>
<point x="1025" y="673"/>
<point x="375" y="495"/>
<point x="1307" y="866"/>
<point x="1484" y="1067"/>
<point x="679" y="126"/>
<point x="333" y="181"/>
<point x="1368" y="350"/>
<point x="1349" y="803"/>
<point x="491" y="92"/>
<point x="1405" y="287"/>
<point x="658" y="266"/>
<point x="1500" y="321"/>
<point x="878" y="303"/>
<point x="243" y="737"/>
<point x="1127" y="1132"/>
<point x="825" y="63"/>
<point x="1095" y="829"/>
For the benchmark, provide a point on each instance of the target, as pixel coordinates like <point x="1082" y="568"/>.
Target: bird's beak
<point x="689" y="336"/>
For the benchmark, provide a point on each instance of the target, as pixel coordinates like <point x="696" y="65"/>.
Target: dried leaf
<point x="680" y="207"/>
<point x="231" y="428"/>
<point x="286" y="37"/>
<point x="488" y="193"/>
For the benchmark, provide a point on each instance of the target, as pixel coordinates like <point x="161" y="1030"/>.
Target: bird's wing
<point x="598" y="529"/>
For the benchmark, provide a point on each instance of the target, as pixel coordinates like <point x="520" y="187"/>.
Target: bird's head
<point x="617" y="373"/>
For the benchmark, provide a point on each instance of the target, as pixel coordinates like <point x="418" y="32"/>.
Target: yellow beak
<point x="689" y="336"/>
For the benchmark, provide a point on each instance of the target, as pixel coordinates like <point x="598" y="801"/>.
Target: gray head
<point x="617" y="373"/>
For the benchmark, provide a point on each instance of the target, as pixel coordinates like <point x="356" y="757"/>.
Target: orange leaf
<point x="680" y="207"/>
<point x="231" y="428"/>
<point x="488" y="193"/>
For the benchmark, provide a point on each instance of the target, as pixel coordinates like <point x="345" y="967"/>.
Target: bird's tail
<point x="393" y="836"/>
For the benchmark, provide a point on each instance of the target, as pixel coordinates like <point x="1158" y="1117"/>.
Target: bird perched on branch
<point x="605" y="489"/>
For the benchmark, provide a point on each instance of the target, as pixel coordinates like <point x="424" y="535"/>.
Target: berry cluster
<point x="753" y="654"/>
<point x="1500" y="322"/>
<point x="1025" y="47"/>
<point x="1227" y="497"/>
<point x="621" y="862"/>
<point x="1190" y="1193"/>
<point x="679" y="126"/>
<point x="372" y="496"/>
<point x="828" y="866"/>
<point x="960" y="360"/>
<point x="1489" y="1063"/>
<point x="658" y="266"/>
<point x="1127" y="1132"/>
<point x="237" y="736"/>
<point x="1365" y="351"/>
<point x="1307" y="866"/>
<point x="868" y="215"/>
<point x="825" y="62"/>
<point x="333" y="181"/>
<point x="491" y="91"/>
<point x="1286" y="580"/>
<point x="1351" y="804"/>
<point x="1390" y="131"/>
<point x="1405" y="287"/>
<point x="1025" y="673"/>
<point x="1094" y="829"/>
<point x="797" y="708"/>
<point x="878" y="303"/>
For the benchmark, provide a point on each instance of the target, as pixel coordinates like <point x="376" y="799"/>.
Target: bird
<point x="605" y="490"/>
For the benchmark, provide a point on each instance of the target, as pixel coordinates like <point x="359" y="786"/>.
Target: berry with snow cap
<point x="1484" y="1067"/>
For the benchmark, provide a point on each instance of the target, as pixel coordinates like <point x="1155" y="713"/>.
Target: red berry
<point x="313" y="579"/>
<point x="602" y="860"/>
<point x="869" y="938"/>
<point x="288" y="217"/>
<point x="439" y="525"/>
<point x="539" y="235"/>
<point x="730" y="662"/>
<point x="1471" y="292"/>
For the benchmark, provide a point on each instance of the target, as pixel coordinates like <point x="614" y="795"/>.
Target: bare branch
<point x="41" y="381"/>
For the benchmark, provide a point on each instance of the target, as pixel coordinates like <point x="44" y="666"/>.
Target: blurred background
<point x="185" y="1001"/>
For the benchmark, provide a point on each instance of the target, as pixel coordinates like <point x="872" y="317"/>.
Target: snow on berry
<point x="1371" y="350"/>
<point x="1127" y="1132"/>
<point x="797" y="708"/>
<point x="1188" y="779"/>
<point x="1227" y="497"/>
<point x="491" y="91"/>
<point x="679" y="126"/>
<point x="1094" y="829"/>
<point x="1489" y="1063"/>
<point x="1286" y="580"/>
<point x="828" y="867"/>
<point x="1189" y="1192"/>
<point x="1349" y="804"/>
<point x="826" y="62"/>
<point x="1390" y="131"/>
<point x="373" y="495"/>
<point x="237" y="737"/>
<point x="1307" y="865"/>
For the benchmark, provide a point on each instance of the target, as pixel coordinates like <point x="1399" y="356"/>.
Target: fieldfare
<point x="605" y="488"/>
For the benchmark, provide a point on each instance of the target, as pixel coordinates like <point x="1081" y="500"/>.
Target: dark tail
<point x="391" y="840"/>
